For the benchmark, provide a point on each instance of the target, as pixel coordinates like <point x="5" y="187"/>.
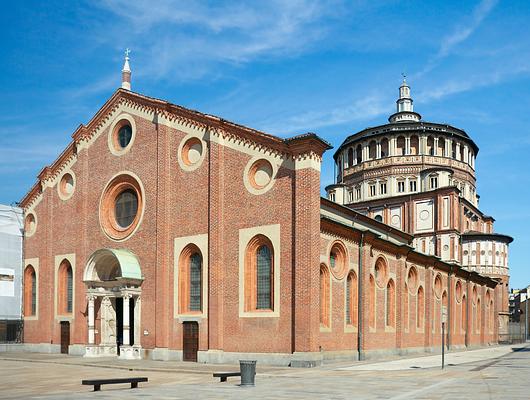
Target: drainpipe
<point x="359" y="301"/>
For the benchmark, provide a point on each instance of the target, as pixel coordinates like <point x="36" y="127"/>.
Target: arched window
<point x="414" y="145"/>
<point x="372" y="150"/>
<point x="479" y="328"/>
<point x="430" y="146"/>
<point x="491" y="317"/>
<point x="420" y="308"/>
<point x="444" y="307"/>
<point x="464" y="314"/>
<point x="441" y="147"/>
<point x="350" y="157"/>
<point x="190" y="280"/>
<point x="324" y="296"/>
<point x="351" y="299"/>
<point x="259" y="275"/>
<point x="371" y="301"/>
<point x="384" y="147"/>
<point x="400" y="146"/>
<point x="359" y="154"/>
<point x="406" y="308"/>
<point x="65" y="295"/>
<point x="390" y="312"/>
<point x="30" y="292"/>
<point x="264" y="278"/>
<point x="195" y="282"/>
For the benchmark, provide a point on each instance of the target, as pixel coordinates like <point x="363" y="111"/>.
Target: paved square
<point x="498" y="372"/>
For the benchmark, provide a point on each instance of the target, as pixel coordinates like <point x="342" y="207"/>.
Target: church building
<point x="165" y="233"/>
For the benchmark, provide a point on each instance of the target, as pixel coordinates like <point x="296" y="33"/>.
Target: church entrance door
<point x="190" y="341"/>
<point x="119" y="323"/>
<point x="65" y="336"/>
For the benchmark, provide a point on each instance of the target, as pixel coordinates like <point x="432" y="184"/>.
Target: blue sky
<point x="286" y="67"/>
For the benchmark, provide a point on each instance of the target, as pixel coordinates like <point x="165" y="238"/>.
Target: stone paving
<point x="497" y="372"/>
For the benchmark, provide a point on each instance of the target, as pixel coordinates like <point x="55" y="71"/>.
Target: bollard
<point x="248" y="372"/>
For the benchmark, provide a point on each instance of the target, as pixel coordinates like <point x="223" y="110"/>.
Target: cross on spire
<point x="126" y="72"/>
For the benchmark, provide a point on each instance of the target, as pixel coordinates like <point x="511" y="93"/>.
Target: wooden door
<point x="190" y="341"/>
<point x="65" y="336"/>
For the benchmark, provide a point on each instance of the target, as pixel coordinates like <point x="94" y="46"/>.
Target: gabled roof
<point x="294" y="146"/>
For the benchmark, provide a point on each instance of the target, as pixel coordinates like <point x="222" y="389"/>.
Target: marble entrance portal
<point x="113" y="279"/>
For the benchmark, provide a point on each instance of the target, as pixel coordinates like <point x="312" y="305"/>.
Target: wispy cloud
<point x="184" y="40"/>
<point x="358" y="110"/>
<point x="461" y="33"/>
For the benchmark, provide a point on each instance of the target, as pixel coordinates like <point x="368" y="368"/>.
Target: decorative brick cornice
<point x="299" y="147"/>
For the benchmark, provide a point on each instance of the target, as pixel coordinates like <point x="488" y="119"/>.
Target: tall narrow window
<point x="190" y="280"/>
<point x="479" y="328"/>
<point x="464" y="314"/>
<point x="350" y="157"/>
<point x="406" y="308"/>
<point x="413" y="186"/>
<point x="30" y="292"/>
<point x="259" y="275"/>
<point x="264" y="277"/>
<point x="348" y="301"/>
<point x="351" y="299"/>
<point x="33" y="294"/>
<point x="69" y="290"/>
<point x="65" y="288"/>
<point x="371" y="301"/>
<point x="195" y="282"/>
<point x="420" y="312"/>
<point x="324" y="296"/>
<point x="390" y="304"/>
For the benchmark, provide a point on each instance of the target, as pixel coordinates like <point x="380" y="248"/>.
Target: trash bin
<point x="248" y="372"/>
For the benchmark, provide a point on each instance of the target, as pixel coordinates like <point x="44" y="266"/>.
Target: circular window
<point x="192" y="151"/>
<point x="30" y="224"/>
<point x="438" y="286"/>
<point x="379" y="218"/>
<point x="122" y="134"/>
<point x="126" y="208"/>
<point x="380" y="272"/>
<point x="338" y="260"/>
<point x="121" y="207"/>
<point x="482" y="252"/>
<point x="412" y="279"/>
<point x="466" y="252"/>
<point x="259" y="176"/>
<point x="66" y="186"/>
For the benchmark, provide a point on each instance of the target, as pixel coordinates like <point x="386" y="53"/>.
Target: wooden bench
<point x="98" y="382"/>
<point x="225" y="375"/>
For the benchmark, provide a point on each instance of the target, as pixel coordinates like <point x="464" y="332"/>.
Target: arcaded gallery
<point x="164" y="233"/>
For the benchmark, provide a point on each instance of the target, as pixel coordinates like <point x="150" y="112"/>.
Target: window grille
<point x="195" y="282"/>
<point x="33" y="294"/>
<point x="69" y="289"/>
<point x="263" y="278"/>
<point x="348" y="300"/>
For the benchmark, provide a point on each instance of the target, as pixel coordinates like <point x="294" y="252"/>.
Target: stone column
<point x="435" y="152"/>
<point x="407" y="145"/>
<point x="126" y="298"/>
<point x="378" y="150"/>
<point x="458" y="151"/>
<point x="91" y="319"/>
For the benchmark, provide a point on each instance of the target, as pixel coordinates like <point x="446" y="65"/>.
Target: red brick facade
<point x="208" y="200"/>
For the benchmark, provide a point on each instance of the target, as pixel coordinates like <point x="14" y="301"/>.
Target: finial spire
<point x="404" y="108"/>
<point x="126" y="72"/>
